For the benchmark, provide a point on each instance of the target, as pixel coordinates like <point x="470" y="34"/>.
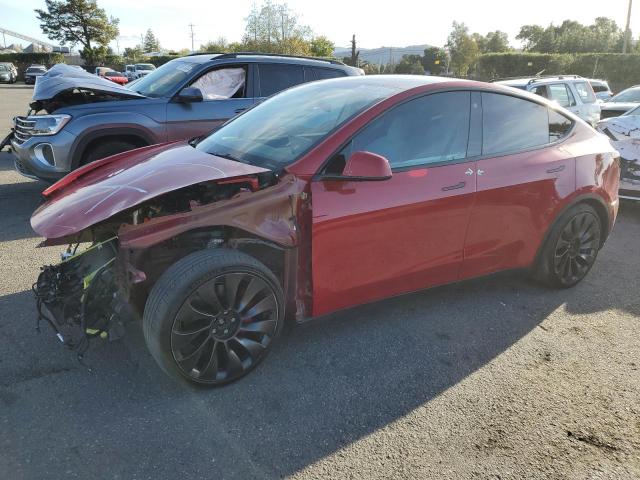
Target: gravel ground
<point x="492" y="378"/>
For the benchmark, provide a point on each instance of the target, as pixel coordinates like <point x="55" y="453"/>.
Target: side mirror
<point x="367" y="166"/>
<point x="190" y="94"/>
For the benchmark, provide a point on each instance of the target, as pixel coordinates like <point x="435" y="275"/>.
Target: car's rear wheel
<point x="213" y="316"/>
<point x="106" y="149"/>
<point x="571" y="248"/>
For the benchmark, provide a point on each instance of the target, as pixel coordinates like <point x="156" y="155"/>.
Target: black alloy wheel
<point x="224" y="327"/>
<point x="576" y="248"/>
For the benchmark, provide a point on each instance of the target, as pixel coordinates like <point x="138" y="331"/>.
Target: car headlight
<point x="48" y="124"/>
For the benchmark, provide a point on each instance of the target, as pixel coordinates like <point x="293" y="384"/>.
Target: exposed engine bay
<point x="79" y="298"/>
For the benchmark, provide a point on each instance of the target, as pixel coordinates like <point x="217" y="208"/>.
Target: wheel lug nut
<point x="215" y="331"/>
<point x="226" y="331"/>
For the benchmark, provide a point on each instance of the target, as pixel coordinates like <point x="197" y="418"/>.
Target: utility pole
<point x="191" y="25"/>
<point x="626" y="30"/>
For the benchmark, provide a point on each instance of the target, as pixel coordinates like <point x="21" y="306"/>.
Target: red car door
<point x="375" y="239"/>
<point x="523" y="174"/>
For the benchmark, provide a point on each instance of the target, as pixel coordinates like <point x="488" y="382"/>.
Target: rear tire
<point x="571" y="248"/>
<point x="213" y="316"/>
<point x="106" y="149"/>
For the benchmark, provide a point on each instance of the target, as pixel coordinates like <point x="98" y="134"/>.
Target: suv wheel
<point x="106" y="149"/>
<point x="213" y="316"/>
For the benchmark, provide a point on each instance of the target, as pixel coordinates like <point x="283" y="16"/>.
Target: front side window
<point x="510" y="124"/>
<point x="561" y="94"/>
<point x="585" y="92"/>
<point x="279" y="130"/>
<point x="275" y="77"/>
<point x="426" y="130"/>
<point x="222" y="83"/>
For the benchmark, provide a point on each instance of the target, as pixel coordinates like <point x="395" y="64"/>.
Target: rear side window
<point x="599" y="87"/>
<point x="275" y="77"/>
<point x="510" y="124"/>
<point x="561" y="94"/>
<point x="585" y="92"/>
<point x="559" y="125"/>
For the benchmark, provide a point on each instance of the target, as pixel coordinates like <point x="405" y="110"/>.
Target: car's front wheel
<point x="213" y="316"/>
<point x="571" y="247"/>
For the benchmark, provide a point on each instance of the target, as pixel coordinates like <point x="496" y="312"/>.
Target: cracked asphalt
<point x="492" y="378"/>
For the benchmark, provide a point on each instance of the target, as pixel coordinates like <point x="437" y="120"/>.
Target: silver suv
<point x="78" y="117"/>
<point x="570" y="91"/>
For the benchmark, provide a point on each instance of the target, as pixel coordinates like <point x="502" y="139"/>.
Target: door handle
<point x="454" y="187"/>
<point x="556" y="170"/>
<point x="240" y="110"/>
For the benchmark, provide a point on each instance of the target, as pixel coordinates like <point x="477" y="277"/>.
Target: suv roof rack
<point x="535" y="78"/>
<point x="239" y="54"/>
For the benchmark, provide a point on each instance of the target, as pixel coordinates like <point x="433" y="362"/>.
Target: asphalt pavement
<point x="492" y="378"/>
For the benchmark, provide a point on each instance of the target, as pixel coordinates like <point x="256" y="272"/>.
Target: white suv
<point x="570" y="91"/>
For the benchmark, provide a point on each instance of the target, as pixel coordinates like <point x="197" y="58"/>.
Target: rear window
<point x="276" y="77"/>
<point x="585" y="92"/>
<point x="599" y="87"/>
<point x="35" y="70"/>
<point x="559" y="125"/>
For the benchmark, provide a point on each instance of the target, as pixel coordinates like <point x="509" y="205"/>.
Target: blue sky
<point x="396" y="23"/>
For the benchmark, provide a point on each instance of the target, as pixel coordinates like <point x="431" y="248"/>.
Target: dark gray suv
<point x="76" y="117"/>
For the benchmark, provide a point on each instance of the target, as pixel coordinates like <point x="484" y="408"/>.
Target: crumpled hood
<point x="621" y="127"/>
<point x="101" y="189"/>
<point x="63" y="77"/>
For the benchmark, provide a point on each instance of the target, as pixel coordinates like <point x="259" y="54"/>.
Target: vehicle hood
<point x="63" y="78"/>
<point x="101" y="189"/>
<point x="625" y="126"/>
<point x="614" y="105"/>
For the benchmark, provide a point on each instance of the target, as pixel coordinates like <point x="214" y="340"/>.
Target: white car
<point x="569" y="91"/>
<point x="624" y="134"/>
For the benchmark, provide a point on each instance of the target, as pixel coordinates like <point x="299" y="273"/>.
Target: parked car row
<point x="8" y="72"/>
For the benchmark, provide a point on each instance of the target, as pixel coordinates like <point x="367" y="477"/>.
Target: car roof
<point x="202" y="58"/>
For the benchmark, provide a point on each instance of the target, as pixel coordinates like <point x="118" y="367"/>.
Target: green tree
<point x="151" y="43"/>
<point x="603" y="36"/>
<point x="321" y="47"/>
<point x="216" y="46"/>
<point x="463" y="49"/>
<point x="274" y="28"/>
<point x="411" y="64"/>
<point x="133" y="54"/>
<point x="79" y="22"/>
<point x="496" y="42"/>
<point x="434" y="60"/>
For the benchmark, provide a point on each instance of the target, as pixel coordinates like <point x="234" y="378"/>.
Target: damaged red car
<point x="329" y="195"/>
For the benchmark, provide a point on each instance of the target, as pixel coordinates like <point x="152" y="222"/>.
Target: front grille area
<point x="23" y="128"/>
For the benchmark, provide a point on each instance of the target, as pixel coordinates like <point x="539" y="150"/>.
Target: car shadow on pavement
<point x="323" y="387"/>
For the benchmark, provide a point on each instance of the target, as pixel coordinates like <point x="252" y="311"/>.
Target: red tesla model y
<point x="328" y="195"/>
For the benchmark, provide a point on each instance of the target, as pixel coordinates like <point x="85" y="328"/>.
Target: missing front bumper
<point x="79" y="297"/>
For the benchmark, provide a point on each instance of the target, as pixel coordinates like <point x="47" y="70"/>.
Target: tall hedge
<point x="621" y="71"/>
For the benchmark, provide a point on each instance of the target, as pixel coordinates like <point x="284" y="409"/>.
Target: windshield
<point x="35" y="69"/>
<point x="145" y="66"/>
<point x="630" y="95"/>
<point x="284" y="127"/>
<point x="162" y="81"/>
<point x="3" y="68"/>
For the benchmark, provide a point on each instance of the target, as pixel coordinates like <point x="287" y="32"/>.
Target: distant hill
<point x="382" y="55"/>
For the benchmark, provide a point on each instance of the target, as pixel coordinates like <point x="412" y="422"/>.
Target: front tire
<point x="571" y="248"/>
<point x="106" y="149"/>
<point x="213" y="316"/>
